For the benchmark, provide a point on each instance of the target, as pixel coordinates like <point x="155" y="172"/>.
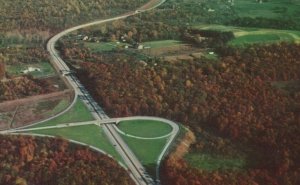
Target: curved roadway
<point x="138" y="173"/>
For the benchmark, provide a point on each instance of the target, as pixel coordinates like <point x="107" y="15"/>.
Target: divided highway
<point x="138" y="173"/>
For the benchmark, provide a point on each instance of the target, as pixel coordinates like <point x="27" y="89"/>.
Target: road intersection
<point x="136" y="169"/>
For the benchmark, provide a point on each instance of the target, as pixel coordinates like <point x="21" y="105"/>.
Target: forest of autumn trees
<point x="246" y="97"/>
<point x="235" y="98"/>
<point x="24" y="86"/>
<point x="29" y="160"/>
<point x="25" y="26"/>
<point x="51" y="16"/>
<point x="15" y="87"/>
<point x="2" y="70"/>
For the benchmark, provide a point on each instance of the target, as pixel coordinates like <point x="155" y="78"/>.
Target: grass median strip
<point x="145" y="128"/>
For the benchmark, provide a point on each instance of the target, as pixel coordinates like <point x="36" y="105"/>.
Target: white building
<point x="31" y="69"/>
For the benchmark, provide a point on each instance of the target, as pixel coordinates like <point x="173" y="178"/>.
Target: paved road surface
<point x="137" y="170"/>
<point x="138" y="173"/>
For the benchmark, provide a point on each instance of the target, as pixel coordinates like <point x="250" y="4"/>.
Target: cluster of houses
<point x="123" y="39"/>
<point x="92" y="39"/>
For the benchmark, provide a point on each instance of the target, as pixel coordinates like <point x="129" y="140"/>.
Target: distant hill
<point x="53" y="15"/>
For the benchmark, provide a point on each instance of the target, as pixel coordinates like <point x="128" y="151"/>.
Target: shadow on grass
<point x="151" y="170"/>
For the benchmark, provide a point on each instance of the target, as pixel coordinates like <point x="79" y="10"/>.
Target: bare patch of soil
<point x="23" y="112"/>
<point x="183" y="145"/>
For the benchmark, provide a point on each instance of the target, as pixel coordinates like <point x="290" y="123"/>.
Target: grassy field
<point x="52" y="107"/>
<point x="104" y="46"/>
<point x="77" y="113"/>
<point x="145" y="128"/>
<point x="161" y="43"/>
<point x="45" y="67"/>
<point x="210" y="163"/>
<point x="278" y="14"/>
<point x="61" y="106"/>
<point x="147" y="151"/>
<point x="109" y="46"/>
<point x="100" y="47"/>
<point x="223" y="28"/>
<point x="278" y="9"/>
<point x="90" y="134"/>
<point x="254" y="35"/>
<point x="263" y="38"/>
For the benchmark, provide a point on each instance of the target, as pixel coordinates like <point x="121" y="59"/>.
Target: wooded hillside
<point x="28" y="160"/>
<point x="245" y="97"/>
<point x="25" y="26"/>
